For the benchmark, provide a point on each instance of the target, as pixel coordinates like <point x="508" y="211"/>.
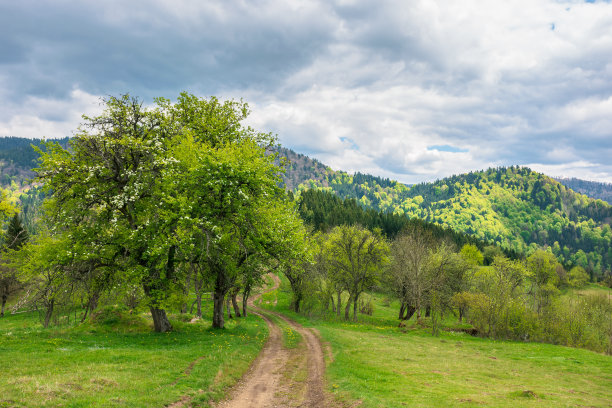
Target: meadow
<point x="117" y="360"/>
<point x="378" y="364"/>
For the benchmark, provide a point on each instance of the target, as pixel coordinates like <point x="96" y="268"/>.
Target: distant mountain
<point x="18" y="158"/>
<point x="602" y="191"/>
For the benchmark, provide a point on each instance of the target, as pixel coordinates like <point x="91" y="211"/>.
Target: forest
<point x="515" y="208"/>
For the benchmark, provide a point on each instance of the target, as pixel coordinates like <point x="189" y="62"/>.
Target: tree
<point x="497" y="291"/>
<point x="541" y="267"/>
<point x="356" y="256"/>
<point x="445" y="272"/>
<point x="15" y="237"/>
<point x="16" y="234"/>
<point x="472" y="255"/>
<point x="407" y="277"/>
<point x="142" y="190"/>
<point x="109" y="192"/>
<point x="237" y="217"/>
<point x="578" y="277"/>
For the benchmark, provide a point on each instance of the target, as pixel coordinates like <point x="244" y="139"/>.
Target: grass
<point x="121" y="362"/>
<point x="377" y="363"/>
<point x="591" y="289"/>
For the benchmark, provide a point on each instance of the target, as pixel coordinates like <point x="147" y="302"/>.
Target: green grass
<point x="591" y="289"/>
<point x="122" y="364"/>
<point x="376" y="363"/>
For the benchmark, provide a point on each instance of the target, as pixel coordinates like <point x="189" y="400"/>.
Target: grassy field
<point x="380" y="365"/>
<point x="121" y="362"/>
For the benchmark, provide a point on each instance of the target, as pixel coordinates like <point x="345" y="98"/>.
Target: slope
<point x="514" y="207"/>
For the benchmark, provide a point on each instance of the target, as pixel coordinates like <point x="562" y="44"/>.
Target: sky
<point x="410" y="90"/>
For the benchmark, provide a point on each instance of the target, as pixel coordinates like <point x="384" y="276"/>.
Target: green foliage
<point x="145" y="195"/>
<point x="355" y="257"/>
<point x="578" y="277"/>
<point x="472" y="255"/>
<point x="16" y="234"/>
<point x="514" y="208"/>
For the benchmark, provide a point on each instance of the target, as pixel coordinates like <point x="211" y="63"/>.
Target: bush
<point x="109" y="315"/>
<point x="578" y="277"/>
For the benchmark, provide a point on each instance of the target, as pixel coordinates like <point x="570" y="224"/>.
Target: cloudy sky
<point x="412" y="90"/>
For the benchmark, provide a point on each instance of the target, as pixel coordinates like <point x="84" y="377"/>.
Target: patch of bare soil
<point x="259" y="385"/>
<point x="281" y="377"/>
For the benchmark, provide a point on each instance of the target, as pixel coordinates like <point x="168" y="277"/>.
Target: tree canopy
<point x="140" y="190"/>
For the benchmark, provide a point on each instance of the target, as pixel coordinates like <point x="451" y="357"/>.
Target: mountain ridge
<point x="515" y="207"/>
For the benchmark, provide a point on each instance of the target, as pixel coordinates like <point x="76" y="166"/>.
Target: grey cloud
<point x="55" y="46"/>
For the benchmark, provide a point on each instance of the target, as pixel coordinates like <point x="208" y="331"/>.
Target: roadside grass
<point x="381" y="365"/>
<point x="121" y="362"/>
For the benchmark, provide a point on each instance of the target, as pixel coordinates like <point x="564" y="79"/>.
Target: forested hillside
<point x="18" y="158"/>
<point x="594" y="189"/>
<point x="324" y="210"/>
<point x="514" y="207"/>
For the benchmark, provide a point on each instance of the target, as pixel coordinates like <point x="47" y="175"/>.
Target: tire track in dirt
<point x="271" y="380"/>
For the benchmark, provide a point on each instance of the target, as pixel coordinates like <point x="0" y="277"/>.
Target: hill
<point x="514" y="207"/>
<point x="602" y="191"/>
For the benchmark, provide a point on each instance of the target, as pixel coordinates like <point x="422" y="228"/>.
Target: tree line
<point x="432" y="278"/>
<point x="154" y="205"/>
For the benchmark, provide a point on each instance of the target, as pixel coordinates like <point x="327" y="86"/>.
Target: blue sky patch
<point x="447" y="148"/>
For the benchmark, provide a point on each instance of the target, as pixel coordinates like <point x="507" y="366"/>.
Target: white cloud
<point x="48" y="118"/>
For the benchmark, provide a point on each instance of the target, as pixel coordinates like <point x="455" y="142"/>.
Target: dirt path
<point x="280" y="377"/>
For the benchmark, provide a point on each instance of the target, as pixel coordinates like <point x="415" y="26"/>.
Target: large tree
<point x="356" y="256"/>
<point x="408" y="278"/>
<point x="142" y="189"/>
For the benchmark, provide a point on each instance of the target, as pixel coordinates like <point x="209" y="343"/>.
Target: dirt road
<point x="282" y="377"/>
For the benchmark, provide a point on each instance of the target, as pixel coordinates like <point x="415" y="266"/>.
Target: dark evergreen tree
<point x="16" y="234"/>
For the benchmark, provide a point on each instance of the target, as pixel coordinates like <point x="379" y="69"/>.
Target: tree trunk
<point x="186" y="292"/>
<point x="235" y="304"/>
<point x="339" y="303"/>
<point x="161" y="323"/>
<point x="48" y="313"/>
<point x="199" y="304"/>
<point x="297" y="301"/>
<point x="84" y="314"/>
<point x="409" y="312"/>
<point x="218" y="322"/>
<point x="333" y="306"/>
<point x="402" y="310"/>
<point x="227" y="306"/>
<point x="92" y="304"/>
<point x="347" y="309"/>
<point x="160" y="320"/>
<point x="355" y="308"/>
<point x="4" y="297"/>
<point x="245" y="298"/>
<point x="428" y="311"/>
